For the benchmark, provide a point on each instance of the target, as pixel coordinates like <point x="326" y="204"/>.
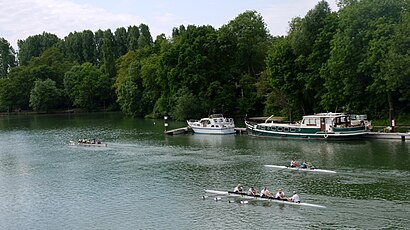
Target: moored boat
<point x="214" y="124"/>
<point x="318" y="126"/>
<point x="258" y="197"/>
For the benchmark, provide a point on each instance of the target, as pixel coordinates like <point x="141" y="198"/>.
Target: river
<point x="144" y="179"/>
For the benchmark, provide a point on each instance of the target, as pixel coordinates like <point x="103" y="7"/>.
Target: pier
<point x="381" y="135"/>
<point x="187" y="130"/>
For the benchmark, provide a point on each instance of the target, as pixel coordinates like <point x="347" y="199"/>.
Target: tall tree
<point x="34" y="46"/>
<point x="7" y="58"/>
<point x="357" y="48"/>
<point x="108" y="54"/>
<point x="244" y="41"/>
<point x="145" y="38"/>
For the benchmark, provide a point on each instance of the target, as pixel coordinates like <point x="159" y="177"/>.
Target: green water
<point x="146" y="180"/>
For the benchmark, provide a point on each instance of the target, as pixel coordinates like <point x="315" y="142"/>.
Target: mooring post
<point x="166" y="122"/>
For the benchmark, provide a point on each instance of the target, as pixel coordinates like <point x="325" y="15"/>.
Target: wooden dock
<point x="186" y="130"/>
<point x="183" y="130"/>
<point x="240" y="131"/>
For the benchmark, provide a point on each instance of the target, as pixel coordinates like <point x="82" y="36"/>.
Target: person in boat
<point x="252" y="191"/>
<point x="280" y="195"/>
<point x="295" y="197"/>
<point x="265" y="192"/>
<point x="294" y="163"/>
<point x="238" y="188"/>
<point x="306" y="165"/>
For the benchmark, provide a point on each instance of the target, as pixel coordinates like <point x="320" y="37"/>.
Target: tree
<point x="87" y="86"/>
<point x="243" y="43"/>
<point x="35" y="45"/>
<point x="358" y="49"/>
<point x="282" y="75"/>
<point x="44" y="95"/>
<point x="7" y="58"/>
<point x="145" y="38"/>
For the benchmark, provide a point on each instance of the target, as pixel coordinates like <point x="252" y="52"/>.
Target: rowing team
<point x="265" y="193"/>
<point x="304" y="164"/>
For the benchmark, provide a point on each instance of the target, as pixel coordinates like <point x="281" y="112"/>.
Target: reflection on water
<point x="214" y="141"/>
<point x="146" y="180"/>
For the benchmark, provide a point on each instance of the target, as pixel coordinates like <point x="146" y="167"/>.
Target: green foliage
<point x="34" y="46"/>
<point x="87" y="86"/>
<point x="185" y="105"/>
<point x="354" y="60"/>
<point x="45" y="95"/>
<point x="7" y="57"/>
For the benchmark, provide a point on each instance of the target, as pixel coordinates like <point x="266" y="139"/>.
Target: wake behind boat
<point x="300" y="169"/>
<point x="258" y="197"/>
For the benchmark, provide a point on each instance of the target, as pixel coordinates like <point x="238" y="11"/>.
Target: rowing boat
<point x="88" y="144"/>
<point x="300" y="169"/>
<point x="257" y="197"/>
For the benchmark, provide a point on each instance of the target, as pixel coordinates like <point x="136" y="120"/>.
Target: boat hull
<point x="300" y="169"/>
<point x="295" y="132"/>
<point x="257" y="197"/>
<point x="222" y="131"/>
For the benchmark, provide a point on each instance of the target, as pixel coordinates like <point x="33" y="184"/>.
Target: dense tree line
<point x="353" y="60"/>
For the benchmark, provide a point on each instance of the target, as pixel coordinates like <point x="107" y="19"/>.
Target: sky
<point x="20" y="19"/>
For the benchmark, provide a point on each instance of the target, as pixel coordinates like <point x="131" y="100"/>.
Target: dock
<point x="187" y="130"/>
<point x="183" y="130"/>
<point x="381" y="135"/>
<point x="241" y="131"/>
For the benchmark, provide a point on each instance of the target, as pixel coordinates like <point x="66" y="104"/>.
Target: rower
<point x="280" y="195"/>
<point x="294" y="163"/>
<point x="304" y="165"/>
<point x="252" y="191"/>
<point x="238" y="188"/>
<point x="265" y="192"/>
<point x="295" y="198"/>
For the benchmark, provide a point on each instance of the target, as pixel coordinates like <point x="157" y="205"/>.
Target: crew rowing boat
<point x="88" y="144"/>
<point x="257" y="197"/>
<point x="301" y="169"/>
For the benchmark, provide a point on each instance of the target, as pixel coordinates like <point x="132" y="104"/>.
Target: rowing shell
<point x="300" y="169"/>
<point x="87" y="144"/>
<point x="257" y="197"/>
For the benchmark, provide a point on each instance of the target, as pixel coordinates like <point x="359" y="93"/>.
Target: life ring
<point x="326" y="135"/>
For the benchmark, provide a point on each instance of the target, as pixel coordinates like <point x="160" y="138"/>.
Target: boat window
<point x="286" y="129"/>
<point x="279" y="129"/>
<point x="292" y="130"/>
<point x="311" y="121"/>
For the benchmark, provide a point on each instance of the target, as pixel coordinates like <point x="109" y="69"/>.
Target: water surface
<point x="146" y="180"/>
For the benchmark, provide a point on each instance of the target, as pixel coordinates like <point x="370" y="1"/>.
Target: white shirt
<point x="280" y="195"/>
<point x="264" y="191"/>
<point x="250" y="191"/>
<point x="237" y="189"/>
<point x="295" y="198"/>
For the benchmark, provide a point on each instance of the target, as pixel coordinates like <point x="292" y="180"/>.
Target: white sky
<point x="22" y="18"/>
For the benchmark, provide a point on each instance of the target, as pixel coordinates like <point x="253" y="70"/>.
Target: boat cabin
<point x="328" y="121"/>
